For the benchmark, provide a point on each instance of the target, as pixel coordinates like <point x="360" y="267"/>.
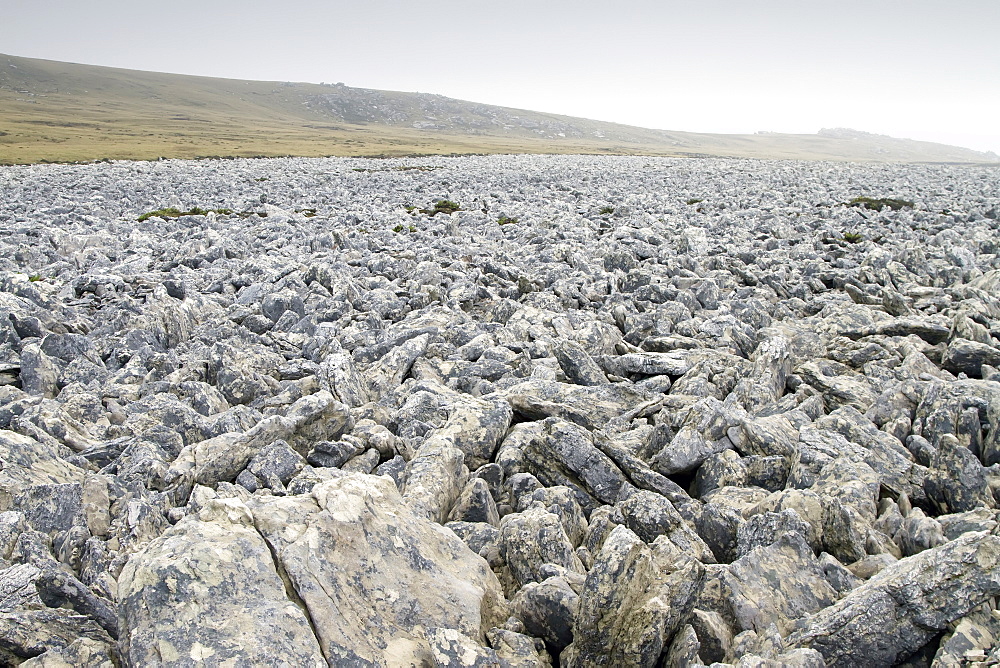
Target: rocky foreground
<point x="609" y="412"/>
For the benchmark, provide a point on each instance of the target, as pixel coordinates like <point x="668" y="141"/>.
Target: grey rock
<point x="564" y="453"/>
<point x="719" y="367"/>
<point x="766" y="528"/>
<point x="561" y="501"/>
<point x="702" y="435"/>
<point x="973" y="637"/>
<point x="386" y="575"/>
<point x="451" y="648"/>
<point x="215" y="560"/>
<point x="475" y="504"/>
<point x="578" y="365"/>
<point x="839" y="577"/>
<point x="80" y="652"/>
<point x="777" y="584"/>
<point x="651" y="516"/>
<point x="630" y="608"/>
<point x="968" y="357"/>
<point x="363" y="463"/>
<point x="434" y="478"/>
<point x="333" y="455"/>
<point x="51" y="508"/>
<point x="684" y="648"/>
<point x="591" y="407"/>
<point x="518" y="650"/>
<point x="900" y="609"/>
<point x="477" y="535"/>
<point x="957" y="481"/>
<point x="39" y="375"/>
<point x="533" y="538"/>
<point x="275" y="465"/>
<point x="715" y="636"/>
<point x="30" y="633"/>
<point x="548" y="610"/>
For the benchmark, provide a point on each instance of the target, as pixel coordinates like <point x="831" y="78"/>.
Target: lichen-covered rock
<point x="630" y="608"/>
<point x="533" y="538"/>
<point x="591" y="407"/>
<point x="776" y="584"/>
<point x="896" y="612"/>
<point x="373" y="575"/>
<point x="974" y="636"/>
<point x="600" y="406"/>
<point x="435" y="478"/>
<point x="548" y="610"/>
<point x="209" y="590"/>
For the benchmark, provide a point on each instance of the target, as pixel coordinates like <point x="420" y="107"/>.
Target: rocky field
<point x="499" y="411"/>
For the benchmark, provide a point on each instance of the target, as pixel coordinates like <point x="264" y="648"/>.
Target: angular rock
<point x="630" y="608"/>
<point x="208" y="589"/>
<point x="533" y="538"/>
<point x="373" y="576"/>
<point x="896" y="612"/>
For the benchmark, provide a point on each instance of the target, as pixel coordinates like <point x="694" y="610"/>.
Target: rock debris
<point x="609" y="412"/>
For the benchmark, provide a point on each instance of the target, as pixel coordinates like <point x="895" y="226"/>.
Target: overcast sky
<point x="923" y="69"/>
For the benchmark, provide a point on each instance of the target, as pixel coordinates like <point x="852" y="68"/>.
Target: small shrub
<point x="446" y="206"/>
<point x="852" y="237"/>
<point x="410" y="209"/>
<point x="413" y="228"/>
<point x="35" y="277"/>
<point x="505" y="220"/>
<point x="880" y="203"/>
<point x="169" y="212"/>
<point x="173" y="212"/>
<point x="606" y="210"/>
<point x="399" y="228"/>
<point x="695" y="200"/>
<point x="441" y="206"/>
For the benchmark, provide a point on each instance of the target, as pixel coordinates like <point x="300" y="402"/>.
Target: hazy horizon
<point x="918" y="70"/>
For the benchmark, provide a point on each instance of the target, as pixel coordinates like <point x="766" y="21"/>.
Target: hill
<point x="62" y="112"/>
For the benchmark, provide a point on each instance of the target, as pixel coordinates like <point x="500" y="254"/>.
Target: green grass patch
<point x="506" y="220"/>
<point x="440" y="206"/>
<point x="606" y="210"/>
<point x="173" y="212"/>
<point x="852" y="237"/>
<point x="880" y="203"/>
<point x="695" y="200"/>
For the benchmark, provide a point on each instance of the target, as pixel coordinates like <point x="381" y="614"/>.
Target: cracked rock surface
<point x="609" y="412"/>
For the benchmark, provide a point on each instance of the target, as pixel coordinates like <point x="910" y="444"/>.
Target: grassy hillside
<point x="59" y="112"/>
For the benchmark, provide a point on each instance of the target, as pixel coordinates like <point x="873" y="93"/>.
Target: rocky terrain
<point x="499" y="411"/>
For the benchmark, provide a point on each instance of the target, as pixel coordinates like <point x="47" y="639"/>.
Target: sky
<point x="920" y="69"/>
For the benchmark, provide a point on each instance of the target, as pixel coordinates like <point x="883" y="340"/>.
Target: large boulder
<point x="374" y="576"/>
<point x="209" y="590"/>
<point x="896" y="612"/>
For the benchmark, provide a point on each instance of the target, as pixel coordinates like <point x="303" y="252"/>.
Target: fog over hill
<point x="54" y="111"/>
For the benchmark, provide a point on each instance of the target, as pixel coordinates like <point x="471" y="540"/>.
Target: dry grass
<point x="61" y="112"/>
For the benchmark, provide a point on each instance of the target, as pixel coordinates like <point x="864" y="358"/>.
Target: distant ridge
<point x="63" y="112"/>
